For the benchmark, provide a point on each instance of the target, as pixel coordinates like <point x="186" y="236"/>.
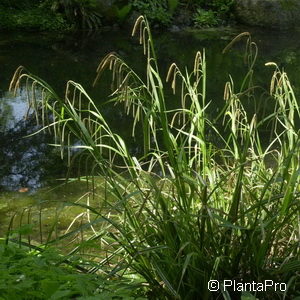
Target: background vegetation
<point x="93" y="14"/>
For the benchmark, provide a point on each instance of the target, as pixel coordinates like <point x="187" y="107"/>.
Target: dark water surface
<point x="31" y="163"/>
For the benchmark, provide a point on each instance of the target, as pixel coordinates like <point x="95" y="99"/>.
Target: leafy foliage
<point x="25" y="4"/>
<point x="83" y="14"/>
<point x="42" y="275"/>
<point x="32" y="19"/>
<point x="90" y="14"/>
<point x="213" y="13"/>
<point x="156" y="10"/>
<point x="50" y="15"/>
<point x="204" y="18"/>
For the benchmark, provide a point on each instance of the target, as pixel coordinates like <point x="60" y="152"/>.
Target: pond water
<point x="27" y="164"/>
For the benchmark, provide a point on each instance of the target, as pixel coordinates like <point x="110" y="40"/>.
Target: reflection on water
<point x="25" y="162"/>
<point x="13" y="110"/>
<point x="28" y="162"/>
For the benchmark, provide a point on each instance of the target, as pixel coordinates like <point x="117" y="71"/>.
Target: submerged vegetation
<point x="207" y="200"/>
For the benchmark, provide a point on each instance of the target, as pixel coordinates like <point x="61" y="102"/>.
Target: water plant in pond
<point x="188" y="210"/>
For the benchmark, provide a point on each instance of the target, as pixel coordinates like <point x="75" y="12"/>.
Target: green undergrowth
<point x="35" y="18"/>
<point x="207" y="200"/>
<point x="45" y="274"/>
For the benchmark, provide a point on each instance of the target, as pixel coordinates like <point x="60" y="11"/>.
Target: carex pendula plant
<point x="188" y="210"/>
